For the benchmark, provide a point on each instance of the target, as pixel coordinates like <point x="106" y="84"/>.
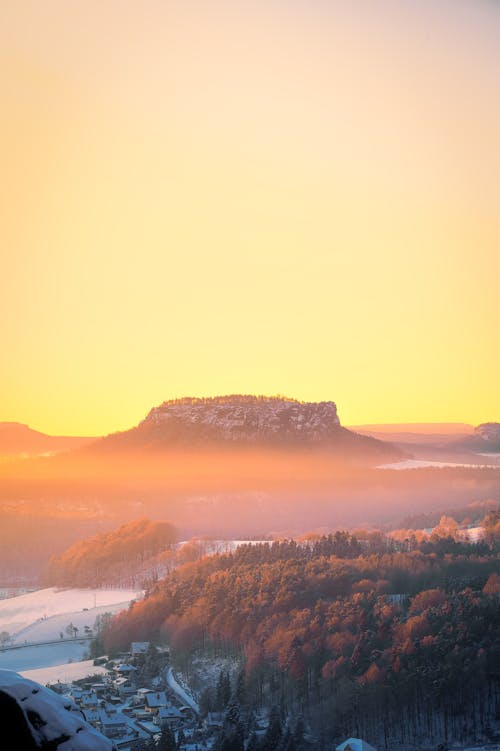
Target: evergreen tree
<point x="207" y="703"/>
<point x="223" y="690"/>
<point x="226" y="691"/>
<point x="167" y="740"/>
<point x="241" y="693"/>
<point x="151" y="661"/>
<point x="231" y="737"/>
<point x="219" y="691"/>
<point x="272" y="737"/>
<point x="298" y="732"/>
<point x="253" y="743"/>
<point x="287" y="742"/>
<point x="233" y="713"/>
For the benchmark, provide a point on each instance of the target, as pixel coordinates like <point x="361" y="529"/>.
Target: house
<point x="155" y="700"/>
<point x="112" y="724"/>
<point x="170" y="715"/>
<point x="355" y="744"/>
<point x="124" y="669"/>
<point x="187" y="713"/>
<point x="126" y="692"/>
<point x="214" y="720"/>
<point x="88" y="700"/>
<point x="99" y="688"/>
<point x="148" y="726"/>
<point x="92" y="716"/>
<point x="141" y="693"/>
<point x="139" y="648"/>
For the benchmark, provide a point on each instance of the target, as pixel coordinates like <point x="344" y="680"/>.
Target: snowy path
<point x="181" y="693"/>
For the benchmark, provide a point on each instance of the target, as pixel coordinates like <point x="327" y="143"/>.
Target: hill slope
<point x="244" y="421"/>
<point x="16" y="438"/>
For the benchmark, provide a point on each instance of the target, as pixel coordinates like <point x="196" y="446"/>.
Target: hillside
<point x="239" y="421"/>
<point x="401" y="646"/>
<point x="417" y="433"/>
<point x="486" y="438"/>
<point x="110" y="557"/>
<point x="16" y="439"/>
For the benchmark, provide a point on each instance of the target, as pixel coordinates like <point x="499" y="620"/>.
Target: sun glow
<point x="214" y="197"/>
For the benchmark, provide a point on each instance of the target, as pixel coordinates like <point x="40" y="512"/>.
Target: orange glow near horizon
<point x="214" y="197"/>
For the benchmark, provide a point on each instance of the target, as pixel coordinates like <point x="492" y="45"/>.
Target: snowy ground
<point x="41" y="656"/>
<point x="420" y="463"/>
<point x="40" y="616"/>
<point x="64" y="673"/>
<point x="181" y="692"/>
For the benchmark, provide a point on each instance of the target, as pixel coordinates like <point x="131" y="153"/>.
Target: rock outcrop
<point x="240" y="421"/>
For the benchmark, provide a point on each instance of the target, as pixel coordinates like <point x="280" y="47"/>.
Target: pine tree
<point x="207" y="702"/>
<point x="233" y="712"/>
<point x="287" y="742"/>
<point x="219" y="692"/>
<point x="226" y="693"/>
<point x="167" y="740"/>
<point x="298" y="732"/>
<point x="241" y="692"/>
<point x="274" y="731"/>
<point x="253" y="743"/>
<point x="151" y="661"/>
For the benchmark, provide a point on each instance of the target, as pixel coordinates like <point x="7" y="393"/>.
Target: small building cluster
<point x="129" y="713"/>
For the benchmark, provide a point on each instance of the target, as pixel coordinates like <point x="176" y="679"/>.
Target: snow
<point x="355" y="744"/>
<point x="59" y="716"/>
<point x="38" y="616"/>
<point x="42" y="656"/>
<point x="420" y="463"/>
<point x="73" y="671"/>
<point x="177" y="688"/>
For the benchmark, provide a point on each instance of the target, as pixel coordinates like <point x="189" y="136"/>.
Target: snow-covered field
<point x="420" y="463"/>
<point x="43" y="655"/>
<point x="42" y="615"/>
<point x="64" y="673"/>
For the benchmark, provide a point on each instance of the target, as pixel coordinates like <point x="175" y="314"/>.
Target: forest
<point x="115" y="557"/>
<point x="396" y="646"/>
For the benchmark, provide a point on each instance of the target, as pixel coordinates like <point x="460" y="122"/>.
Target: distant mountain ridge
<point x="17" y="438"/>
<point x="486" y="438"/>
<point x="244" y="421"/>
<point x="416" y="433"/>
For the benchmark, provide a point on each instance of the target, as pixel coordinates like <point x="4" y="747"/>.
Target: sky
<point x="203" y="197"/>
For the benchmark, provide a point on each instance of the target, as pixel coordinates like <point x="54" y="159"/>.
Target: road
<point x="181" y="693"/>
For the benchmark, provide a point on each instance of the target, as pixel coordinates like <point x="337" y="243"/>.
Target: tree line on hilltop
<point x="110" y="557"/>
<point x="394" y="645"/>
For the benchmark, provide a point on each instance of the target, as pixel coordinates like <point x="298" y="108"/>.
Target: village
<point x="139" y="702"/>
<point x="138" y="698"/>
<point x="163" y="714"/>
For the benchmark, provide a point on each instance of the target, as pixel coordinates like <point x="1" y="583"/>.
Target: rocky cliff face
<point x="245" y="421"/>
<point x="489" y="432"/>
<point x="485" y="439"/>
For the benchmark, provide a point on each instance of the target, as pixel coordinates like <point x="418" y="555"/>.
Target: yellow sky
<point x="202" y="197"/>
